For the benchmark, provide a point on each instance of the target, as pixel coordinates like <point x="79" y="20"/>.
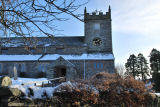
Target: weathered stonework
<point x="70" y="69"/>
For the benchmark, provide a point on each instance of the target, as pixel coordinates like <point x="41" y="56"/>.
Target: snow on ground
<point x="39" y="91"/>
<point x="29" y="83"/>
<point x="158" y="94"/>
<point x="20" y="81"/>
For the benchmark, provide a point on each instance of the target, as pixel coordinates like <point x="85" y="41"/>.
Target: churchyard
<point x="102" y="89"/>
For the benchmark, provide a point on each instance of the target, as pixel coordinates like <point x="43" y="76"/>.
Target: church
<point x="72" y="57"/>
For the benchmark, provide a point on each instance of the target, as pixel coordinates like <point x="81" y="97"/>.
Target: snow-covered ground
<point x="158" y="94"/>
<point x="39" y="91"/>
<point x="29" y="81"/>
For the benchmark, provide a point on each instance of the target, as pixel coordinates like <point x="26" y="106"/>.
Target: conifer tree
<point x="131" y="66"/>
<point x="142" y="67"/>
<point x="155" y="60"/>
<point x="155" y="67"/>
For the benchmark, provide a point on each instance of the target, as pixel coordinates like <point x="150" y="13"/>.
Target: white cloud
<point x="136" y="16"/>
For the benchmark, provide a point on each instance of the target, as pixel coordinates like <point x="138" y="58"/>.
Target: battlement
<point x="97" y="15"/>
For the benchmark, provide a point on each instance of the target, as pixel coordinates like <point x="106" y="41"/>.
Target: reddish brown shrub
<point x="104" y="89"/>
<point x="76" y="94"/>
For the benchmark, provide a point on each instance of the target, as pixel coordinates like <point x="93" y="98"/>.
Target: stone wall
<point x="76" y="69"/>
<point x="90" y="67"/>
<point x="30" y="68"/>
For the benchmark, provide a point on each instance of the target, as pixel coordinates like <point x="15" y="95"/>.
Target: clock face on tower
<point x="97" y="41"/>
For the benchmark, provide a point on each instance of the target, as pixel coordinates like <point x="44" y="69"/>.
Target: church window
<point x="97" y="26"/>
<point x="20" y="67"/>
<point x="42" y="67"/>
<point x="101" y="65"/>
<point x="39" y="67"/>
<point x="98" y="65"/>
<point x="4" y="50"/>
<point x="95" y="65"/>
<point x="46" y="66"/>
<point x="23" y="68"/>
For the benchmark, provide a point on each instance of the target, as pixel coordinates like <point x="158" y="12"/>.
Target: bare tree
<point x="120" y="69"/>
<point x="25" y="18"/>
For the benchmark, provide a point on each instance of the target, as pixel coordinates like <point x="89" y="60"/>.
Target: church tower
<point x="98" y="31"/>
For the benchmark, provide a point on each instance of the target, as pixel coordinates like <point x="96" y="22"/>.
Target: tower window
<point x="97" y="26"/>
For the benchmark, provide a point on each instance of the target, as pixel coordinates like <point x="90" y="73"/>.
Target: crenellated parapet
<point x="97" y="15"/>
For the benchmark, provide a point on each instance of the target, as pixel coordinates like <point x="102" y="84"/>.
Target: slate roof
<point x="42" y="41"/>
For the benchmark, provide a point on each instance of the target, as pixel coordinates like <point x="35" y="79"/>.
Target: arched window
<point x="42" y="67"/>
<point x="20" y="67"/>
<point x="98" y="65"/>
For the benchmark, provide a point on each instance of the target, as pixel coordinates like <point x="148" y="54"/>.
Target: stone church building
<point x="74" y="57"/>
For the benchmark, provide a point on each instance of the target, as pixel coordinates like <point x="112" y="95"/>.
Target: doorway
<point x="60" y="71"/>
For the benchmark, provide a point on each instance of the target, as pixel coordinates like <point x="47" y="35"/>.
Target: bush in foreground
<point x="104" y="89"/>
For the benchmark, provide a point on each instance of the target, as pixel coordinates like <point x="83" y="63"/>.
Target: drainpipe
<point x="84" y="69"/>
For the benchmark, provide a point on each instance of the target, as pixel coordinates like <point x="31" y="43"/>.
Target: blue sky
<point x="135" y="26"/>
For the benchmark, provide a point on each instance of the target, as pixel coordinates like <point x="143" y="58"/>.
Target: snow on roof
<point x="19" y="57"/>
<point x="42" y="41"/>
<point x="56" y="56"/>
<point x="80" y="57"/>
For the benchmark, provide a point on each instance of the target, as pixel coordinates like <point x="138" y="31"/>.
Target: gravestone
<point x="5" y="81"/>
<point x="15" y="72"/>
